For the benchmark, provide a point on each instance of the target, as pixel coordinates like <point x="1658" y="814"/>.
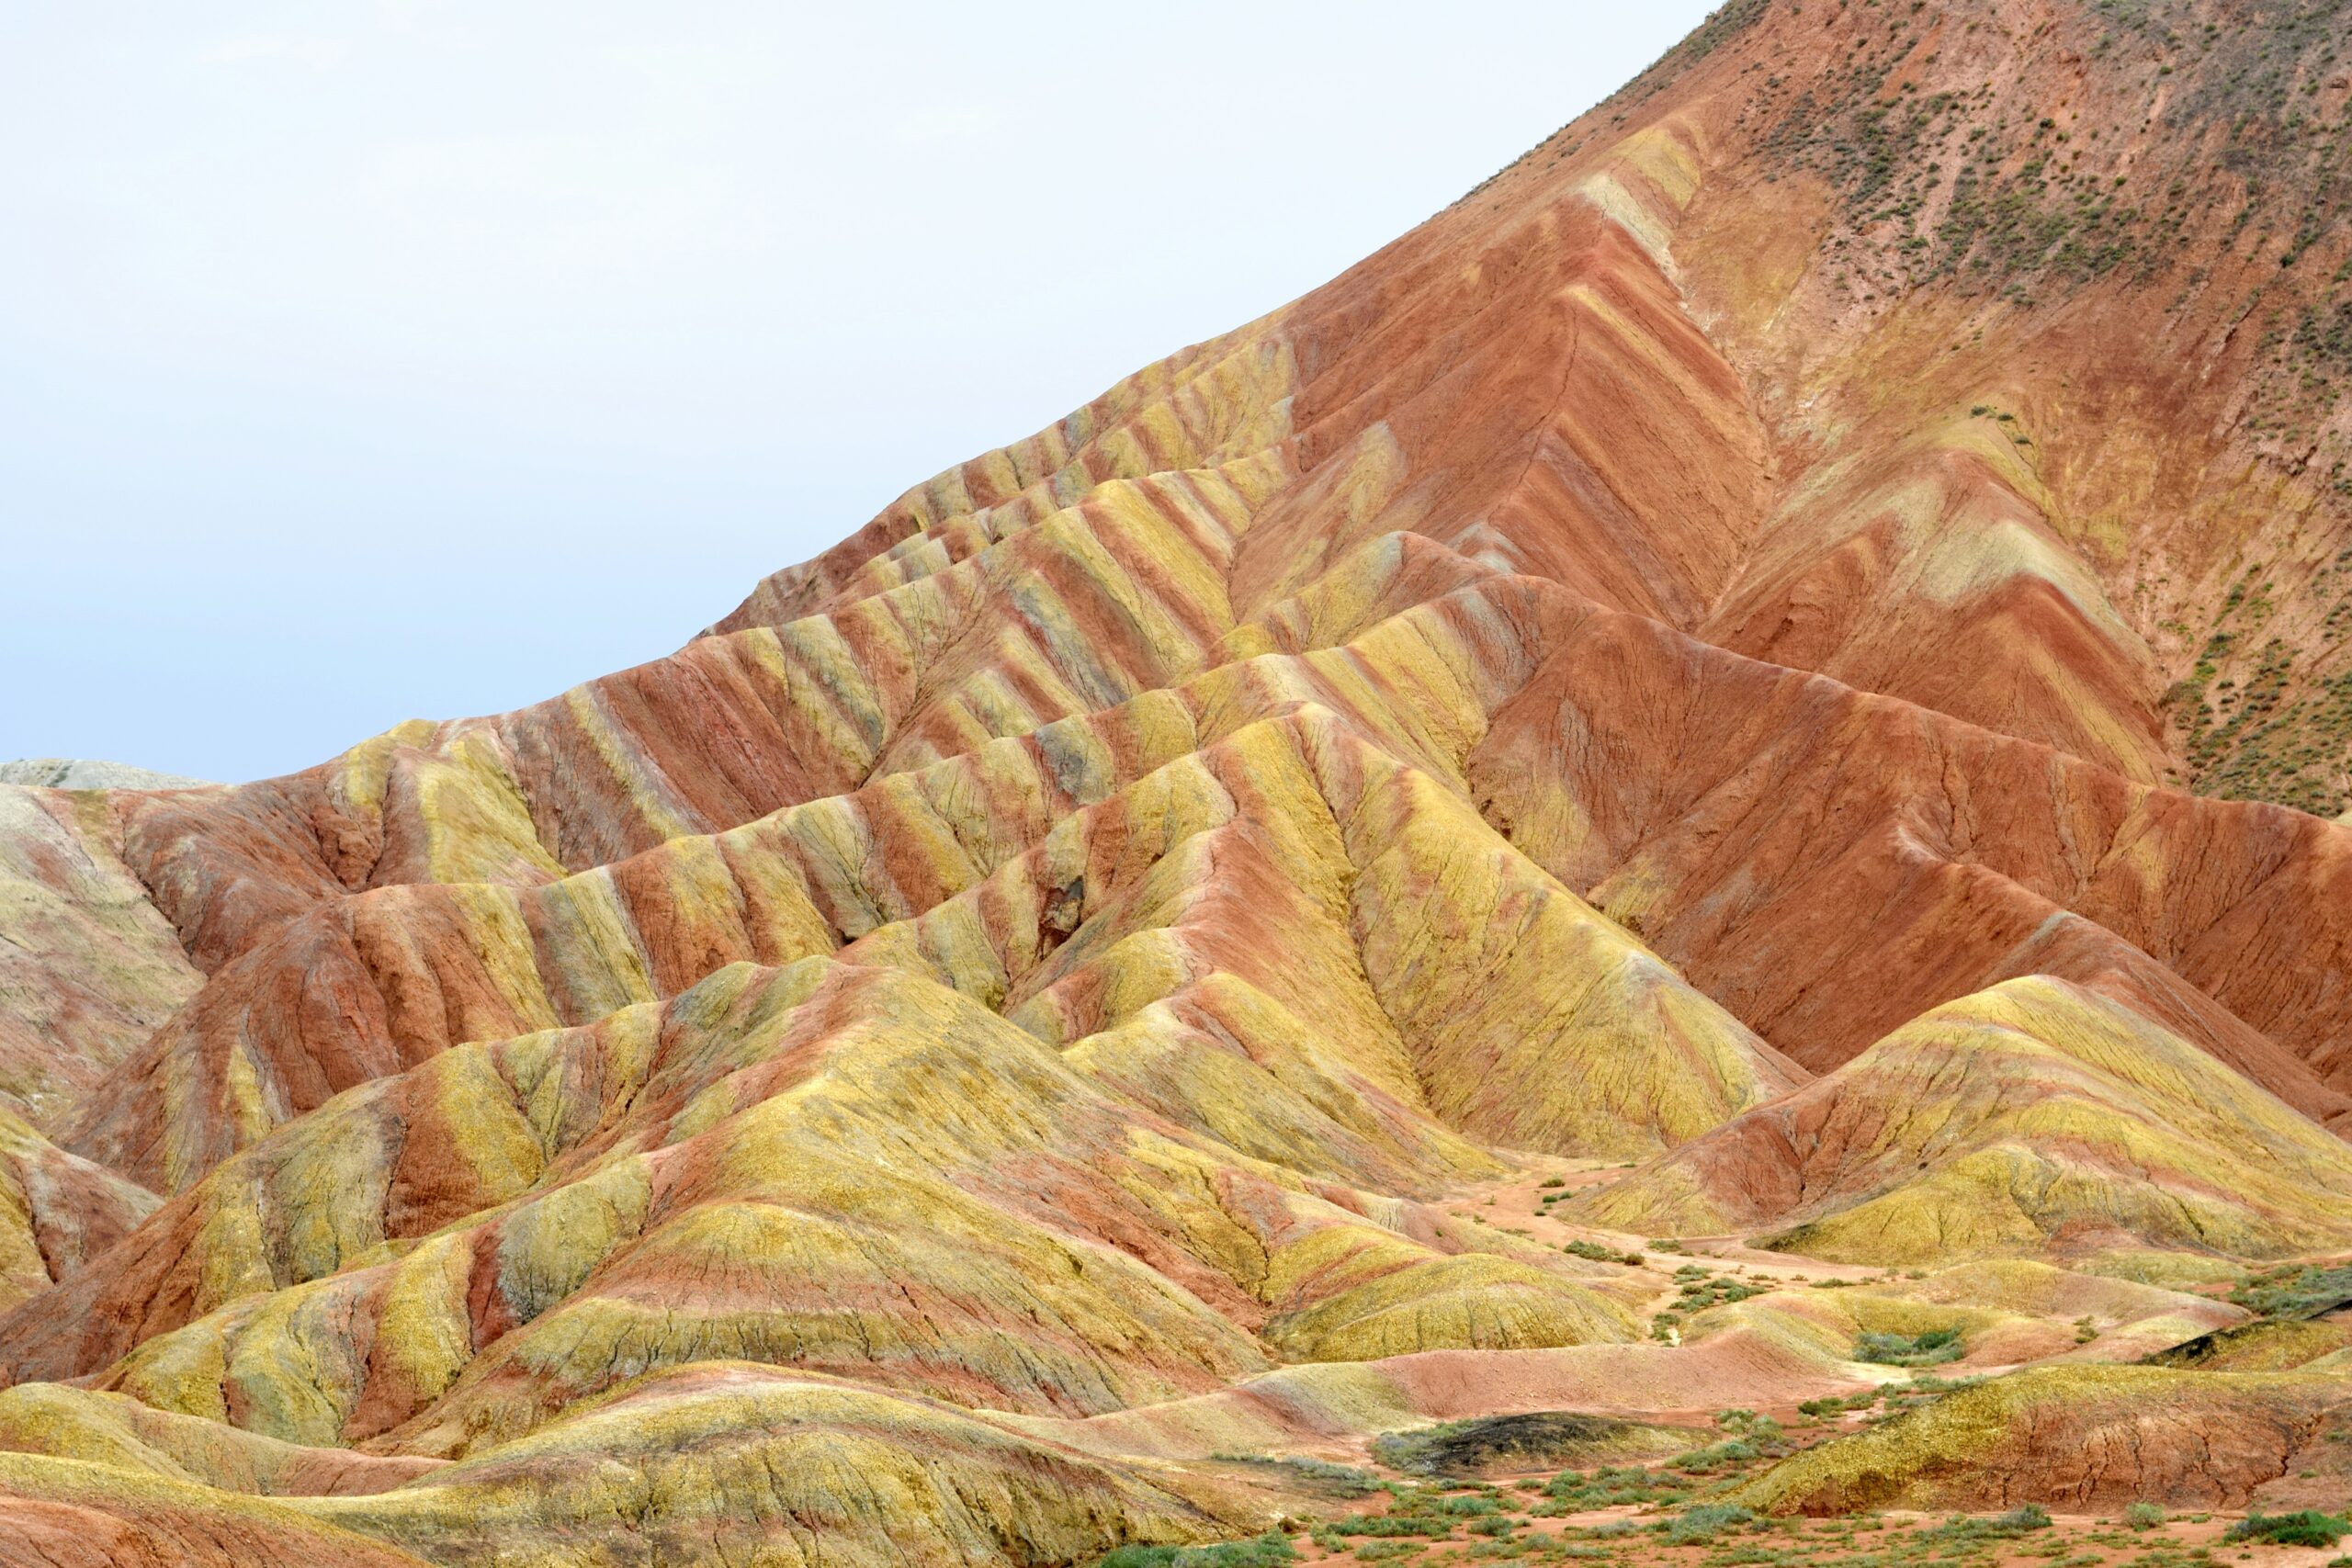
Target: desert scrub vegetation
<point x="1932" y="1349"/>
<point x="1268" y="1551"/>
<point x="1700" y="1525"/>
<point x="2308" y="1527"/>
<point x="1696" y="1288"/>
<point x="1595" y="1253"/>
<point x="2295" y="1291"/>
<point x="1666" y="1515"/>
<point x="2250" y="724"/>
<point x="1577" y="1491"/>
<point x="1338" y="1480"/>
<point x="1528" y="1441"/>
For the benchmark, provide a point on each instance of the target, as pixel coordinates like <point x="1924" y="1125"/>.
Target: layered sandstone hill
<point x="1792" y="639"/>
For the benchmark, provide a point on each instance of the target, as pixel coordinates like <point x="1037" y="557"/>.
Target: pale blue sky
<point x="399" y="358"/>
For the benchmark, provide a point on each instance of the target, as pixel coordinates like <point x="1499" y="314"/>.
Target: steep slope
<point x="88" y="966"/>
<point x="57" y="1211"/>
<point x="2053" y="295"/>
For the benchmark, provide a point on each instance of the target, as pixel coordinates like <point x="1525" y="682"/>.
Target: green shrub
<point x="1597" y="1253"/>
<point x="1432" y="1527"/>
<point x="1934" y="1347"/>
<point x="2295" y="1292"/>
<point x="2307" y="1527"/>
<point x="2028" y="1517"/>
<point x="1695" y="1527"/>
<point x="1268" y="1551"/>
<point x="2143" y="1516"/>
<point x="1737" y="1451"/>
<point x="1613" y="1487"/>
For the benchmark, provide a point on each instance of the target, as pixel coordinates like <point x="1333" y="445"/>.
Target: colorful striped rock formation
<point x="1774" y="679"/>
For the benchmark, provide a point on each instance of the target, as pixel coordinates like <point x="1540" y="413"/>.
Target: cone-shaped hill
<point x="2028" y="1117"/>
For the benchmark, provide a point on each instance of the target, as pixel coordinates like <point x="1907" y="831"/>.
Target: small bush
<point x="2295" y="1292"/>
<point x="1268" y="1551"/>
<point x="2143" y="1516"/>
<point x="1137" y="1557"/>
<point x="2029" y="1516"/>
<point x="2307" y="1527"/>
<point x="1714" y="1456"/>
<point x="1472" y="1507"/>
<point x="1932" y="1349"/>
<point x="1594" y="1252"/>
<point x="1695" y="1527"/>
<point x="1429" y="1527"/>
